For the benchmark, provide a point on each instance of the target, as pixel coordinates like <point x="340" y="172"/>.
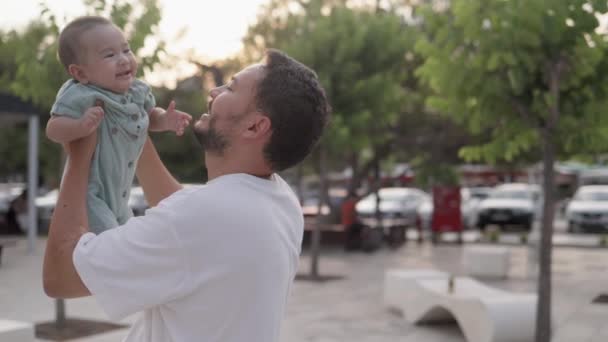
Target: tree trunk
<point x="60" y="303"/>
<point x="60" y="320"/>
<point x="316" y="233"/>
<point x="378" y="179"/>
<point x="543" y="310"/>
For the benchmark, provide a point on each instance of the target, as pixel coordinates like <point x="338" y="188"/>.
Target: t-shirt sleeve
<point x="73" y="100"/>
<point x="135" y="266"/>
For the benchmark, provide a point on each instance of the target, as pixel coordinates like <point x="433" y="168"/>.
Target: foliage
<point x="491" y="63"/>
<point x="531" y="73"/>
<point x="365" y="60"/>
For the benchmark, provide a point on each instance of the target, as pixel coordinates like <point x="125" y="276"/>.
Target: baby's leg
<point x="101" y="217"/>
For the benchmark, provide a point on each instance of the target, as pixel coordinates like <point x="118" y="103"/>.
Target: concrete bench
<point x="484" y="314"/>
<point x="488" y="262"/>
<point x="15" y="331"/>
<point x="4" y="242"/>
<point x="398" y="286"/>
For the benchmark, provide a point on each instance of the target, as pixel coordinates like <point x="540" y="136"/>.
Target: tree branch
<point x="524" y="113"/>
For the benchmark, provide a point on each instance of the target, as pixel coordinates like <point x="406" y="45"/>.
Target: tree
<point x="364" y="59"/>
<point x="533" y="74"/>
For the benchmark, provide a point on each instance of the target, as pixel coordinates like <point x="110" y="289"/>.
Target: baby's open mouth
<point x="124" y="73"/>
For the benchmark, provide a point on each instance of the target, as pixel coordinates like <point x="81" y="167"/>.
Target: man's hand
<point x="92" y="118"/>
<point x="82" y="149"/>
<point x="172" y="120"/>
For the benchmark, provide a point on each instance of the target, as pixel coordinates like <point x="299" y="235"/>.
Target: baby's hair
<point x="69" y="39"/>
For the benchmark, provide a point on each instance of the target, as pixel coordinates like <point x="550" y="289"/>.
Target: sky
<point x="213" y="28"/>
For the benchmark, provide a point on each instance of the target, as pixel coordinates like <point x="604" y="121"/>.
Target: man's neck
<point x="218" y="166"/>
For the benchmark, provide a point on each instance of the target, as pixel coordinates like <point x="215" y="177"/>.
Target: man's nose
<point x="216" y="91"/>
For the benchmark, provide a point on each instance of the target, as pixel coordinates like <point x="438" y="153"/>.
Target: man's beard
<point x="211" y="140"/>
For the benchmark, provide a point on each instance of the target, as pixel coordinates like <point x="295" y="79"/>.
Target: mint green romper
<point x="120" y="140"/>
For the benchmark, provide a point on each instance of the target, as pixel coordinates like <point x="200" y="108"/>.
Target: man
<point x="208" y="263"/>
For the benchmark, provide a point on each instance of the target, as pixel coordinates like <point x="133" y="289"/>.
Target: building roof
<point x="13" y="105"/>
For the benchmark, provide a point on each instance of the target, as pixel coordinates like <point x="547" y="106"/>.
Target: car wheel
<point x="574" y="228"/>
<point x="371" y="239"/>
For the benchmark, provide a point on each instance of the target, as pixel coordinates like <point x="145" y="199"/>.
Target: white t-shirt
<point x="208" y="263"/>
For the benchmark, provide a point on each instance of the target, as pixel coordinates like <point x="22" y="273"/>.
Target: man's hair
<point x="292" y="97"/>
<point x="70" y="49"/>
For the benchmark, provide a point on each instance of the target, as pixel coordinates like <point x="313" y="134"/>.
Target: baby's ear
<point x="78" y="73"/>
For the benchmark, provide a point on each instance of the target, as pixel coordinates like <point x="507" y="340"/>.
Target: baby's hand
<point x="92" y="118"/>
<point x="176" y="120"/>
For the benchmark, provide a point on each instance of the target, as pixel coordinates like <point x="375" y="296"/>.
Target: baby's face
<point x="108" y="61"/>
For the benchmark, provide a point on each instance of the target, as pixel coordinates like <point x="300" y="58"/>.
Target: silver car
<point x="588" y="209"/>
<point x="398" y="206"/>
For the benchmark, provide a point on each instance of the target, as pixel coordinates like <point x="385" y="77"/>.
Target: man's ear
<point x="78" y="73"/>
<point x="258" y="126"/>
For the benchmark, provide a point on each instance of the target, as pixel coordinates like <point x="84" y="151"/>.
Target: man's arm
<point x="153" y="176"/>
<point x="68" y="224"/>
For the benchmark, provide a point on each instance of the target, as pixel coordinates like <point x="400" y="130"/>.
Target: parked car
<point x="45" y="205"/>
<point x="8" y="192"/>
<point x="588" y="209"/>
<point x="511" y="204"/>
<point x="398" y="206"/>
<point x="470" y="198"/>
<point x="137" y="201"/>
<point x="310" y="204"/>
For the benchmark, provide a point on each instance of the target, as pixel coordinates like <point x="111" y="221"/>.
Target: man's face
<point x="107" y="59"/>
<point x="228" y="105"/>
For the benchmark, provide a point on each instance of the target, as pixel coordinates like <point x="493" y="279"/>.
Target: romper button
<point x="124" y="194"/>
<point x="130" y="164"/>
<point x="134" y="117"/>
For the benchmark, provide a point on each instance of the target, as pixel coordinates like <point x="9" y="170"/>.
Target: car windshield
<point x="512" y="194"/>
<point x="595" y="196"/>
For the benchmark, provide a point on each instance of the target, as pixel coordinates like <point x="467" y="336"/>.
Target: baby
<point x="104" y="95"/>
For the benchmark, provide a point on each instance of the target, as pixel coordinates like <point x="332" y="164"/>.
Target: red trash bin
<point x="446" y="209"/>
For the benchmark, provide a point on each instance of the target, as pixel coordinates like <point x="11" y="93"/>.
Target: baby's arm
<point x="168" y="120"/>
<point x="63" y="129"/>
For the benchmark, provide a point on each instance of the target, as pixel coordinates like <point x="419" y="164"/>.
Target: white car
<point x="588" y="209"/>
<point x="510" y="204"/>
<point x="397" y="206"/>
<point x="8" y="192"/>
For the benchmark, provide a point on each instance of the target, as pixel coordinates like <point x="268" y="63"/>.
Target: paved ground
<point x="351" y="309"/>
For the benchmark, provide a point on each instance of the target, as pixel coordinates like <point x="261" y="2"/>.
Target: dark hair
<point x="69" y="49"/>
<point x="292" y="97"/>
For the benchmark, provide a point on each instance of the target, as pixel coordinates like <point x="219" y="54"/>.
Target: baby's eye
<point x="126" y="50"/>
<point x="109" y="55"/>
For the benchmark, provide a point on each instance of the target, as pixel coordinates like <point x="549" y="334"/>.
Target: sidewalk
<point x="351" y="309"/>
